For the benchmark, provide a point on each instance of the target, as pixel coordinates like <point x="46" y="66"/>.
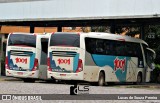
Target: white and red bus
<point x="99" y="57"/>
<point x="26" y="56"/>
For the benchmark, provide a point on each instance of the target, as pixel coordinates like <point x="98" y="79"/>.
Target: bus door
<point x="43" y="58"/>
<point x="150" y="56"/>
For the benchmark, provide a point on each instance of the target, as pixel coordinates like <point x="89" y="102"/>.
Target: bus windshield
<point x="61" y="39"/>
<point x="150" y="56"/>
<point x="20" y="39"/>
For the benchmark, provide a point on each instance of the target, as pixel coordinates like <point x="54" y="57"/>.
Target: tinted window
<point x="148" y="55"/>
<point x="120" y="48"/>
<point x="20" y="39"/>
<point x="105" y="47"/>
<point x="65" y="39"/>
<point x="134" y="50"/>
<point x="111" y="47"/>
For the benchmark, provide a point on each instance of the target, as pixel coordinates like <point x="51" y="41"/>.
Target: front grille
<point x="20" y="53"/>
<point x="64" y="53"/>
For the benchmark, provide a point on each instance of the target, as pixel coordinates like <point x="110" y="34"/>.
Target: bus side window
<point x="120" y="48"/>
<point x="99" y="47"/>
<point x="90" y="45"/>
<point x="107" y="50"/>
<point x="130" y="50"/>
<point x="112" y="47"/>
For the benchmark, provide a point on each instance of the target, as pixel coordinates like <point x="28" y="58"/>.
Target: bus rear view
<point x="20" y="56"/>
<point x="64" y="59"/>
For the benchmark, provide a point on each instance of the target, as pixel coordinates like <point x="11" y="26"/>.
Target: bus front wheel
<point x="139" y="79"/>
<point x="101" y="80"/>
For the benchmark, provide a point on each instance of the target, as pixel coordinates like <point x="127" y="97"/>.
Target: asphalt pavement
<point x="60" y="90"/>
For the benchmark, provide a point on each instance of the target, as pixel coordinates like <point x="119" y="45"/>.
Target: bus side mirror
<point x="153" y="53"/>
<point x="154" y="56"/>
<point x="153" y="66"/>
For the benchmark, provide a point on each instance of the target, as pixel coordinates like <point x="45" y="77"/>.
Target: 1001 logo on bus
<point x="64" y="61"/>
<point x="21" y="60"/>
<point x="119" y="64"/>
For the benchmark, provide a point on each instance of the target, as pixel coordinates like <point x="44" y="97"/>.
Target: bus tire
<point x="101" y="79"/>
<point x="139" y="79"/>
<point x="27" y="80"/>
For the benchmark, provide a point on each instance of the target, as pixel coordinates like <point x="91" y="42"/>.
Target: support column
<point x="1" y="44"/>
<point x="142" y="36"/>
<point x="2" y="55"/>
<point x="59" y="28"/>
<point x="31" y="29"/>
<point x="113" y="28"/>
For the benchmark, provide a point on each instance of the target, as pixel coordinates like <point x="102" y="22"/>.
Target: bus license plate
<point x="20" y="73"/>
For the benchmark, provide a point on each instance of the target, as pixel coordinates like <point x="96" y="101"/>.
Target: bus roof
<point x="66" y="33"/>
<point x="43" y="34"/>
<point x="113" y="37"/>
